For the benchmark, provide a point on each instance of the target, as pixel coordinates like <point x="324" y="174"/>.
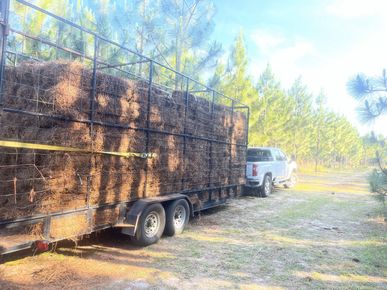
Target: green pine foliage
<point x="293" y="119"/>
<point x="372" y="94"/>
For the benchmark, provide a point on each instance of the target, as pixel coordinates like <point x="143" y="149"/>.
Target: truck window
<point x="283" y="155"/>
<point x="279" y="155"/>
<point x="257" y="155"/>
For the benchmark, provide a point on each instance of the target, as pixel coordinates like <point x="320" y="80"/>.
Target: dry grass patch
<point x="291" y="240"/>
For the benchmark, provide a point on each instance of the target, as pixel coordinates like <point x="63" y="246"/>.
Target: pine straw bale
<point x="105" y="216"/>
<point x="117" y="178"/>
<point x="110" y="139"/>
<point x="238" y="153"/>
<point x="167" y="111"/>
<point x="49" y="88"/>
<point x="31" y="129"/>
<point x="221" y="123"/>
<point x="119" y="101"/>
<point x="64" y="89"/>
<point x="67" y="87"/>
<point x="52" y="182"/>
<point x="45" y="180"/>
<point x="220" y="164"/>
<point x="21" y="234"/>
<point x="166" y="171"/>
<point x="197" y="159"/>
<point x="239" y="128"/>
<point x="198" y="120"/>
<point x="69" y="226"/>
<point x="238" y="164"/>
<point x="196" y="201"/>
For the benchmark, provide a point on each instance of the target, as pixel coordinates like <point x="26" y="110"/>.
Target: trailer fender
<point x="130" y="222"/>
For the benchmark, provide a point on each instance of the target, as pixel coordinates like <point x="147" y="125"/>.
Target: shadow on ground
<point x="293" y="239"/>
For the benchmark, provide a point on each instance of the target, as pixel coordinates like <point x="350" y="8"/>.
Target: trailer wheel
<point x="151" y="225"/>
<point x="292" y="181"/>
<point x="266" y="186"/>
<point x="177" y="214"/>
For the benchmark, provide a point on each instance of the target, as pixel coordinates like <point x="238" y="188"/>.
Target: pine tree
<point x="300" y="124"/>
<point x="235" y="81"/>
<point x="275" y="109"/>
<point x="318" y="127"/>
<point x="373" y="92"/>
<point x="188" y="24"/>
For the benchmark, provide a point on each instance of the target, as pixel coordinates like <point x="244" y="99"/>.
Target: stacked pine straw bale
<point x="40" y="182"/>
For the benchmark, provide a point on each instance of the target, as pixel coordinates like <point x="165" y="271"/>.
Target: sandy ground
<point x="327" y="233"/>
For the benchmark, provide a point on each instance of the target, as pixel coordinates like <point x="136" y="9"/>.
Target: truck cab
<point x="268" y="167"/>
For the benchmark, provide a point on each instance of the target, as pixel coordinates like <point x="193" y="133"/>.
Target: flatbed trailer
<point x="155" y="207"/>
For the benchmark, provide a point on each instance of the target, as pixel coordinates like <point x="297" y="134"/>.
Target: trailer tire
<point x="266" y="187"/>
<point x="177" y="217"/>
<point x="292" y="181"/>
<point x="150" y="226"/>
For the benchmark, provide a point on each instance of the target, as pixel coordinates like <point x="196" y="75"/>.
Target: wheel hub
<point x="267" y="186"/>
<point x="179" y="216"/>
<point x="152" y="224"/>
<point x="292" y="180"/>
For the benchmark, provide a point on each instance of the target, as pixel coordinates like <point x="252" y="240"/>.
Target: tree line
<point x="294" y="119"/>
<point x="177" y="33"/>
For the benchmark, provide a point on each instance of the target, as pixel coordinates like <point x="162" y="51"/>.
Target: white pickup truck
<point x="266" y="167"/>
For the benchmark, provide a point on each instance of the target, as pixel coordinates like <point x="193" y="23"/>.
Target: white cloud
<point x="356" y="8"/>
<point x="293" y="52"/>
<point x="266" y="40"/>
<point x="282" y="53"/>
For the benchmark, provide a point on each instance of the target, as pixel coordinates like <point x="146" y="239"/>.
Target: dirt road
<point x="326" y="233"/>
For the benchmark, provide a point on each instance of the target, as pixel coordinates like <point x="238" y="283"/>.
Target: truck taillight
<point x="255" y="169"/>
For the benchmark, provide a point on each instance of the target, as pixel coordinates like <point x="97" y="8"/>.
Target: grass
<point x="303" y="209"/>
<point x="297" y="239"/>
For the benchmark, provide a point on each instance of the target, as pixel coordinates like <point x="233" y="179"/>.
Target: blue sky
<point x="324" y="41"/>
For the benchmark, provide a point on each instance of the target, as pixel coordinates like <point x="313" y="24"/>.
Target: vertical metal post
<point x="247" y="127"/>
<point x="148" y="123"/>
<point x="88" y="188"/>
<point x="4" y="13"/>
<point x="91" y="116"/>
<point x="212" y="137"/>
<point x="186" y="99"/>
<point x="47" y="227"/>
<point x="247" y="138"/>
<point x="93" y="85"/>
<point x="90" y="220"/>
<point x="231" y="134"/>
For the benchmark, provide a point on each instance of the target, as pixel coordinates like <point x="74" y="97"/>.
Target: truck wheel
<point x="150" y="226"/>
<point x="292" y="181"/>
<point x="177" y="214"/>
<point x="266" y="186"/>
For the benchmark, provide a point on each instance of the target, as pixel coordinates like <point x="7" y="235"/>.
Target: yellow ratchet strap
<point x="15" y="144"/>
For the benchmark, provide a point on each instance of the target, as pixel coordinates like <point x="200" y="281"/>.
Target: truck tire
<point x="150" y="225"/>
<point x="266" y="186"/>
<point x="177" y="217"/>
<point x="292" y="181"/>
